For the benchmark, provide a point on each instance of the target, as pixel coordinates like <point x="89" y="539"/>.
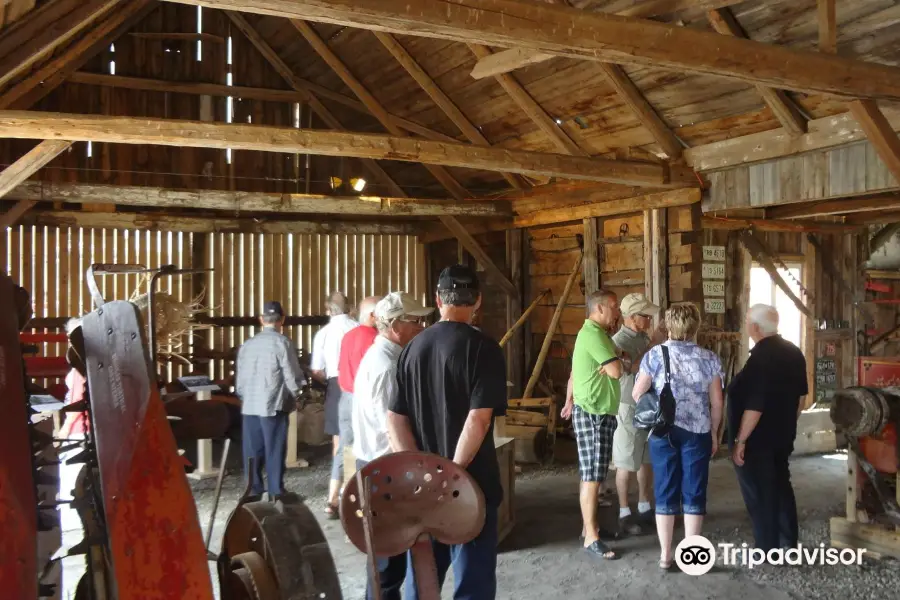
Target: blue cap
<point x="273" y="309"/>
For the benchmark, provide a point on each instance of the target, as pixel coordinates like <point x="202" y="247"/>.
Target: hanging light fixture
<point x="358" y="184"/>
<point x="336" y="182"/>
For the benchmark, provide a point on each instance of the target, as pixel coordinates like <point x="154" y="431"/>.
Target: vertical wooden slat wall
<point x="298" y="270"/>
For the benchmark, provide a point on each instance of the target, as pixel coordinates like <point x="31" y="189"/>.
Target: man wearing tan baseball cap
<point x="631" y="453"/>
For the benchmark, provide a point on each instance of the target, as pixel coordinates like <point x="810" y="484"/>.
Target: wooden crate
<point x="506" y="515"/>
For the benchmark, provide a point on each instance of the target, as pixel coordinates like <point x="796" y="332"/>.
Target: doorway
<point x="763" y="290"/>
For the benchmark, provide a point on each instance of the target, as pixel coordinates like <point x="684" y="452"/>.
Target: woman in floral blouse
<point x="681" y="458"/>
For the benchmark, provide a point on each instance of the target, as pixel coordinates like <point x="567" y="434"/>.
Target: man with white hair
<point x="326" y="357"/>
<point x="398" y="318"/>
<point x="764" y="404"/>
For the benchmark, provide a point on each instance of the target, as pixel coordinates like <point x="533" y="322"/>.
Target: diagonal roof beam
<point x="21" y="170"/>
<point x="534" y="110"/>
<point x="595" y="36"/>
<point x="49" y="76"/>
<point x="516" y="58"/>
<point x="326" y="115"/>
<point x="782" y="106"/>
<point x="376" y="108"/>
<point x="439" y="97"/>
<point x="44" y="30"/>
<point x="445" y="178"/>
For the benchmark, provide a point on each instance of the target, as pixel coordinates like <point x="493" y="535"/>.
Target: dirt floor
<point x="542" y="557"/>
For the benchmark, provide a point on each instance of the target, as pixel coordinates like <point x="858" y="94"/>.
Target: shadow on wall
<point x="888" y="256"/>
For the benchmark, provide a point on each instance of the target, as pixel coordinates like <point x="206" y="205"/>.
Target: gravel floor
<point x="542" y="558"/>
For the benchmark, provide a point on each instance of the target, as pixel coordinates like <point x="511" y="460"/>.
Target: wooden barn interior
<point x="232" y="152"/>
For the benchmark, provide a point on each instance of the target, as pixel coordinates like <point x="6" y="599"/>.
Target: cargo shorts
<point x="630" y="445"/>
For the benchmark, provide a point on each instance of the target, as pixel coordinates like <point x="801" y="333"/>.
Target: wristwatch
<point x="739" y="441"/>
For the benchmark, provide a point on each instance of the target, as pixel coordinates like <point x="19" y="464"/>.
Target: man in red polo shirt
<point x="353" y="346"/>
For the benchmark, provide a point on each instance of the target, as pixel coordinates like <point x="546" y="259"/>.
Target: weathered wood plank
<point x="29" y="164"/>
<point x="595" y="36"/>
<point x="248" y="201"/>
<point x="168" y="132"/>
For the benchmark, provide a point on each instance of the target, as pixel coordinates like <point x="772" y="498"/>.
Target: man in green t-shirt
<point x="596" y="370"/>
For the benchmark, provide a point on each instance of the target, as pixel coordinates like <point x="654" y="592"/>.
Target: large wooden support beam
<point x="883" y="236"/>
<point x="516" y="58"/>
<point x="443" y="101"/>
<point x="837" y="206"/>
<point x="50" y="75"/>
<point x="880" y="133"/>
<point x="195" y="134"/>
<point x="594" y="36"/>
<point x="45" y="30"/>
<point x="251" y="202"/>
<point x="625" y="206"/>
<point x="827" y="26"/>
<point x="826" y="132"/>
<point x="29" y="164"/>
<point x="784" y="108"/>
<point x="171" y="222"/>
<point x="738" y="224"/>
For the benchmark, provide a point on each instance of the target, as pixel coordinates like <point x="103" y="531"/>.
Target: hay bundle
<point x="172" y="320"/>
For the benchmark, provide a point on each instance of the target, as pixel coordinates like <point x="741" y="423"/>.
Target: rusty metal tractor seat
<point x="402" y="501"/>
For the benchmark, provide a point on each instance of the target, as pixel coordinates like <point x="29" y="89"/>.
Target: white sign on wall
<point x="714" y="306"/>
<point x="714" y="253"/>
<point x="713" y="271"/>
<point x="714" y="288"/>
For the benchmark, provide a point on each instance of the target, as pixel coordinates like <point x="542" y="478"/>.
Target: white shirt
<point x="374" y="388"/>
<point x="327" y="345"/>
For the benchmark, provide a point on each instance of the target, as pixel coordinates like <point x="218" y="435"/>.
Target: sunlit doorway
<point x="763" y="290"/>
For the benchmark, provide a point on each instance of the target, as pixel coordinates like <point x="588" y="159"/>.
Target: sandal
<point x="665" y="566"/>
<point x="331" y="510"/>
<point x="598" y="549"/>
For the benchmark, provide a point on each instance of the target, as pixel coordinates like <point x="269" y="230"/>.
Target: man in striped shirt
<point x="269" y="382"/>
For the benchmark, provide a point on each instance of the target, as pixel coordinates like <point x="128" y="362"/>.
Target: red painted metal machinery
<point x="143" y="539"/>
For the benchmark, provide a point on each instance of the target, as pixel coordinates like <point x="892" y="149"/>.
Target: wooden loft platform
<point x="456" y="124"/>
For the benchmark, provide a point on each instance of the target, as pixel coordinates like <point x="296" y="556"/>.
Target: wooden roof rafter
<point x="595" y="36"/>
<point x="48" y="76"/>
<point x="442" y="175"/>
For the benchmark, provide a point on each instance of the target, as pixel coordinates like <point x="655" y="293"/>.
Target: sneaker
<point x="630" y="525"/>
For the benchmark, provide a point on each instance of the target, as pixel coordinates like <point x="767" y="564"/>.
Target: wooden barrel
<point x="862" y="411"/>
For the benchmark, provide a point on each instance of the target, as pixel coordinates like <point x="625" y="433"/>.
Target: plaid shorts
<point x="594" y="434"/>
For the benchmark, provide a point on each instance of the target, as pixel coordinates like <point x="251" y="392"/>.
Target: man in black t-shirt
<point x="451" y="383"/>
<point x="763" y="407"/>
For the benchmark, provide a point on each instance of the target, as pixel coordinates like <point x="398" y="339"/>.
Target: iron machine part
<point x="274" y="551"/>
<point x="402" y="501"/>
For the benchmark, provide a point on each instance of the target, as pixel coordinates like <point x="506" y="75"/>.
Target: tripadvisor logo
<point x="696" y="555"/>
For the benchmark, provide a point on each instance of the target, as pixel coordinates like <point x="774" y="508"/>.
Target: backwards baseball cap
<point x="637" y="304"/>
<point x="273" y="309"/>
<point x="457" y="277"/>
<point x="397" y="304"/>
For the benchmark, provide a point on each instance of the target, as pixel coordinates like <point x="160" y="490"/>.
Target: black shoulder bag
<point x="656" y="412"/>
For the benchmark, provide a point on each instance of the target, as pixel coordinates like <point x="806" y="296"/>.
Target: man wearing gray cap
<point x="631" y="452"/>
<point x="398" y="318"/>
<point x="268" y="381"/>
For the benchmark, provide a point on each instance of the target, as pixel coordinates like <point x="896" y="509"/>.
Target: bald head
<point x="367" y="311"/>
<point x="762" y="321"/>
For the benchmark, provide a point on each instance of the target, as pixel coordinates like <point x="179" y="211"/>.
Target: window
<point x="763" y="290"/>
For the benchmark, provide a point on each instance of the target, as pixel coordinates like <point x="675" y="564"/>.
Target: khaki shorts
<point x="630" y="447"/>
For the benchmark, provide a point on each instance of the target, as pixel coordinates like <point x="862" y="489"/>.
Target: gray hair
<point x="336" y="304"/>
<point x="765" y="317"/>
<point x="271" y="319"/>
<point x="594" y="300"/>
<point x="72" y="324"/>
<point x="461" y="297"/>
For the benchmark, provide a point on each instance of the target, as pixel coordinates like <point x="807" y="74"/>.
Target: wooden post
<point x="648" y="254"/>
<point x="591" y="263"/>
<point x="515" y="367"/>
<point x="659" y="257"/>
<point x="809" y="338"/>
<point x="551" y="330"/>
<point x="205" y="465"/>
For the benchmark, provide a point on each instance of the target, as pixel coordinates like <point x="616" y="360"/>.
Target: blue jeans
<point x="680" y="471"/>
<point x="474" y="564"/>
<point x="265" y="439"/>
